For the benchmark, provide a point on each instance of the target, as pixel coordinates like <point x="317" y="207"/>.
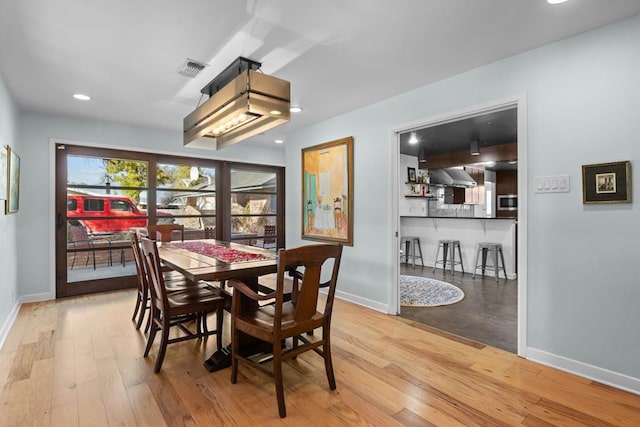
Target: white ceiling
<point x="338" y="55"/>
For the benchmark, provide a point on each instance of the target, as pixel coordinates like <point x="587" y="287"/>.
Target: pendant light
<point x="475" y="148"/>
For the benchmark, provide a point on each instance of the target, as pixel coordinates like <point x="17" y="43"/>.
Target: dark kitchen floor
<point x="487" y="314"/>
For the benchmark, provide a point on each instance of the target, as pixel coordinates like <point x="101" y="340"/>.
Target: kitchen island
<point x="469" y="231"/>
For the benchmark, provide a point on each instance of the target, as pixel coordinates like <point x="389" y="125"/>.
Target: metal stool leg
<point x="435" y="264"/>
<point x="445" y="252"/>
<point x="452" y="248"/>
<point x="496" y="270"/>
<point x="460" y="255"/>
<point x="504" y="269"/>
<point x="412" y="245"/>
<point x="475" y="264"/>
<point x="420" y="250"/>
<point x="484" y="260"/>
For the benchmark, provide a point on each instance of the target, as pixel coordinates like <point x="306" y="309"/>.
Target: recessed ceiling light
<point x="279" y="141"/>
<point x="81" y="97"/>
<point x="556" y="1"/>
<point x="295" y="109"/>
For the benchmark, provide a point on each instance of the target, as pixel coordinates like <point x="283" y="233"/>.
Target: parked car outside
<point x="107" y="213"/>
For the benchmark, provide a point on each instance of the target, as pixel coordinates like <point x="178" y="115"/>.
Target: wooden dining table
<point x="216" y="260"/>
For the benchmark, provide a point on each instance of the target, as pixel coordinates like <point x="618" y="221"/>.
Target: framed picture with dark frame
<point x="606" y="183"/>
<point x="13" y="181"/>
<point x="3" y="173"/>
<point x="411" y="174"/>
<point x="327" y="192"/>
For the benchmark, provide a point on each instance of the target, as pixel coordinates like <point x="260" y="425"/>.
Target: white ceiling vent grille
<point x="191" y="68"/>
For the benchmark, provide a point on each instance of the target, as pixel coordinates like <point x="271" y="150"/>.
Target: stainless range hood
<point x="451" y="177"/>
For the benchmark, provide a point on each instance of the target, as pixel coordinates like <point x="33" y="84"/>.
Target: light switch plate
<point x="552" y="184"/>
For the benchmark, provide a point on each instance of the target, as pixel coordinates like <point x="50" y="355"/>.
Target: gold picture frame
<point x="327" y="192"/>
<point x="606" y="183"/>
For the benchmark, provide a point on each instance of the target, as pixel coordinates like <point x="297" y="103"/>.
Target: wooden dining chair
<point x="209" y="232"/>
<point x="169" y="309"/>
<point x="173" y="281"/>
<point x="276" y="322"/>
<point x="164" y="232"/>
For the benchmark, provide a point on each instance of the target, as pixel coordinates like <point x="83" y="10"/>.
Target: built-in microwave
<point x="507" y="202"/>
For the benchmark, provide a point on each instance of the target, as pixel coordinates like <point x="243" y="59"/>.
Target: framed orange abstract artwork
<point x="327" y="192"/>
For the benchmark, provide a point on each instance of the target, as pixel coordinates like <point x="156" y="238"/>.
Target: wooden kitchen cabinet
<point x="475" y="195"/>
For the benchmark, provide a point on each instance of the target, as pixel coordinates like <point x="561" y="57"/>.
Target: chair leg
<point x="135" y="310"/>
<point x="149" y="320"/>
<point x="152" y="335"/>
<point x="277" y="378"/>
<point x="475" y="264"/>
<point x="219" y="322"/>
<point x="460" y="256"/>
<point x="142" y="303"/>
<point x="328" y="364"/>
<point x="234" y="352"/>
<point x="163" y="345"/>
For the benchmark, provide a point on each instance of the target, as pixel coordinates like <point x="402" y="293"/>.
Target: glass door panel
<point x="254" y="208"/>
<point x="186" y="195"/>
<point x="101" y="194"/>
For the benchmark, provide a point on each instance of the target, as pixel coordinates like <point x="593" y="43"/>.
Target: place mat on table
<point x="221" y="253"/>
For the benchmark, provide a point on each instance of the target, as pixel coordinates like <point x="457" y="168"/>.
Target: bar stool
<point x="410" y="243"/>
<point x="448" y="246"/>
<point x="495" y="248"/>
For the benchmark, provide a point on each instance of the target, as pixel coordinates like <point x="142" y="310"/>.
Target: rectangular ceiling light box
<point x="249" y="104"/>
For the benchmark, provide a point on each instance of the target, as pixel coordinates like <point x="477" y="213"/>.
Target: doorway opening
<point x="483" y="149"/>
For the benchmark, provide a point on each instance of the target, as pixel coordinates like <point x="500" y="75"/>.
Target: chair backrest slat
<point x="141" y="274"/>
<point x="309" y="262"/>
<point x="163" y="232"/>
<point x="154" y="272"/>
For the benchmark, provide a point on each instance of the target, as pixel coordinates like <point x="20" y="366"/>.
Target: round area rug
<point x="424" y="292"/>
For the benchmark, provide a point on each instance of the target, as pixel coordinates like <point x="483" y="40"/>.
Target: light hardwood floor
<point x="78" y="361"/>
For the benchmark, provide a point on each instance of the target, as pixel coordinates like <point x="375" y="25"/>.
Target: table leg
<point x="221" y="359"/>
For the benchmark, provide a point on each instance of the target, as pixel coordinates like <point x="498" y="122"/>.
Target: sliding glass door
<point x="103" y="195"/>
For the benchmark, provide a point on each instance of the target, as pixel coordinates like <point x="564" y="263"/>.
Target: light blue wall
<point x="583" y="107"/>
<point x="8" y="223"/>
<point x="36" y="218"/>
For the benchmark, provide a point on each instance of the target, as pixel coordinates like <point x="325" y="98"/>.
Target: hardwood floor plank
<point x="145" y="407"/>
<point x="65" y="416"/>
<point x="410" y="419"/>
<point x="41" y="394"/>
<point x="64" y="374"/>
<point x="114" y="394"/>
<point x="78" y="361"/>
<point x="91" y="410"/>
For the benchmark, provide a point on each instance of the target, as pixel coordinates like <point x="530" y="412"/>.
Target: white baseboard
<point x="365" y="302"/>
<point x="604" y="376"/>
<point x="6" y="327"/>
<point x="44" y="296"/>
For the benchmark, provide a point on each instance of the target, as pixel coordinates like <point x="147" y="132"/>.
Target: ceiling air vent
<point x="191" y="68"/>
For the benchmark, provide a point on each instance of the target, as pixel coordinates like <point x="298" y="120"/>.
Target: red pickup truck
<point x="107" y="214"/>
